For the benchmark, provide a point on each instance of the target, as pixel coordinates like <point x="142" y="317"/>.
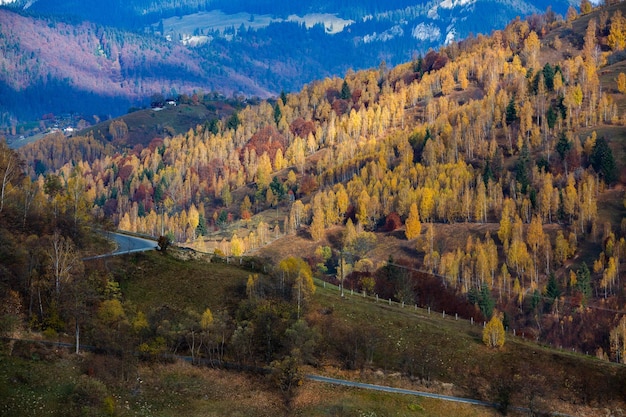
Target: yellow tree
<point x="279" y="160"/>
<point x="561" y="248"/>
<point x="447" y="81"/>
<point x="236" y="246"/>
<point x="251" y="286"/>
<point x="296" y="154"/>
<point x="413" y="227"/>
<point x="317" y="225"/>
<point x="462" y="77"/>
<point x="264" y="172"/>
<point x="350" y="233"/>
<point x="617" y="33"/>
<point x="75" y="194"/>
<point x="206" y="324"/>
<point x="298" y="273"/>
<point x="617" y="338"/>
<point x="526" y="118"/>
<point x="480" y="203"/>
<point x="493" y="333"/>
<point x="341" y="200"/>
<point x="427" y="203"/>
<point x="329" y="204"/>
<point x="429" y="247"/>
<point x="535" y="238"/>
<point x="570" y="198"/>
<point x="118" y="130"/>
<point x="504" y="279"/>
<point x="585" y="7"/>
<point x="207" y="319"/>
<point x="193" y="219"/>
<point x="506" y="228"/>
<point x="571" y="14"/>
<point x="517" y="256"/>
<point x="531" y="49"/>
<point x="621" y="82"/>
<point x="608" y="276"/>
<point x="362" y="208"/>
<point x="590" y="42"/>
<point x="297" y="214"/>
<point x="518" y="291"/>
<point x="481" y="263"/>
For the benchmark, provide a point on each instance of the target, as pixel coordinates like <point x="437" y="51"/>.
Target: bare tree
<point x="10" y="168"/>
<point x="64" y="260"/>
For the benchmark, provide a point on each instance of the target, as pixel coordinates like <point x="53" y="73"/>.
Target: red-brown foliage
<point x="302" y="128"/>
<point x="392" y="222"/>
<point x="308" y="185"/>
<point x="267" y="139"/>
<point x="340" y="106"/>
<point x="125" y="172"/>
<point x="434" y="61"/>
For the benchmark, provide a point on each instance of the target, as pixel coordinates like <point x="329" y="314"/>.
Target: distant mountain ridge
<point x="133" y="49"/>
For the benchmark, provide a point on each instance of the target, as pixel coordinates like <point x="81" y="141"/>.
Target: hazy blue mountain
<point x="252" y="47"/>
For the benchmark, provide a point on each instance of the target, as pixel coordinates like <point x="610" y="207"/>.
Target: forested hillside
<point x="483" y="181"/>
<point x="51" y="66"/>
<point x="518" y="136"/>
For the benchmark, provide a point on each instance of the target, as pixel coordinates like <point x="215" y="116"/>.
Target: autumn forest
<point x="485" y="178"/>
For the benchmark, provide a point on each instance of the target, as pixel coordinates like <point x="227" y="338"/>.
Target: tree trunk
<point x="77" y="337"/>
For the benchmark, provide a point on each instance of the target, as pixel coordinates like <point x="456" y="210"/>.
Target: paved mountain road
<point x="126" y="244"/>
<point x="384" y="388"/>
<point x="442" y="397"/>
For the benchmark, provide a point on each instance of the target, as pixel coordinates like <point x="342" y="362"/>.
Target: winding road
<point x="126" y="244"/>
<point x="384" y="388"/>
<point x="361" y="385"/>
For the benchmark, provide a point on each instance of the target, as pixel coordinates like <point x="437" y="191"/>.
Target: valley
<point x="453" y="224"/>
<point x="87" y="58"/>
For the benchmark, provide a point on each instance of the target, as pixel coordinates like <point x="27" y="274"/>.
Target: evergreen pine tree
<point x="345" y="91"/>
<point x="603" y="162"/>
<point x="548" y="77"/>
<point x="511" y="111"/>
<point x="522" y="168"/>
<point x="552" y="289"/>
<point x="563" y="145"/>
<point x="583" y="282"/>
<point x="277" y="113"/>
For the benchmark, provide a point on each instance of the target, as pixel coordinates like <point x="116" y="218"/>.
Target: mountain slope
<point x="50" y="66"/>
<point x="511" y="170"/>
<point x="485" y="180"/>
<point x="269" y="47"/>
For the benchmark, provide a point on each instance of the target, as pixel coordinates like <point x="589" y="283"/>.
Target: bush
<point x="88" y="398"/>
<point x="493" y="333"/>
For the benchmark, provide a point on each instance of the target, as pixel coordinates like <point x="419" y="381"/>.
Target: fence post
<point x="390" y="301"/>
<point x="443" y="314"/>
<point x="456" y="316"/>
